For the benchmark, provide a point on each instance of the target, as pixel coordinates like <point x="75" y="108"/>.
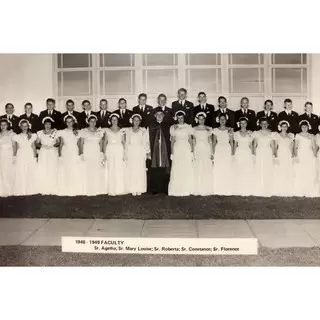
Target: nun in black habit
<point x="160" y="146"/>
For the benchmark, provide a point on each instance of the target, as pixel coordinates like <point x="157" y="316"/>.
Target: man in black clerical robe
<point x="159" y="165"/>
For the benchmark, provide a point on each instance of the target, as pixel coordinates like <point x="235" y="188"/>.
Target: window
<point x="257" y="76"/>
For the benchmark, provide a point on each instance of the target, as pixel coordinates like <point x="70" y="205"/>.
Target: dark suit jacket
<point x="272" y="120"/>
<point x="168" y="115"/>
<point x="293" y="119"/>
<point x="76" y="114"/>
<point x="103" y="123"/>
<point x="82" y="123"/>
<point x="231" y="122"/>
<point x="209" y="110"/>
<point x="56" y="116"/>
<point x="251" y="115"/>
<point x="34" y="120"/>
<point x="124" y="121"/>
<point x="188" y="108"/>
<point x="14" y="122"/>
<point x="147" y="114"/>
<point x="313" y="120"/>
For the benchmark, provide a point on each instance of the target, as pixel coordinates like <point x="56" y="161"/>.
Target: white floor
<point x="270" y="233"/>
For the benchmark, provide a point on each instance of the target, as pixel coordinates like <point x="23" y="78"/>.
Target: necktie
<point x="245" y="113"/>
<point x="202" y="107"/>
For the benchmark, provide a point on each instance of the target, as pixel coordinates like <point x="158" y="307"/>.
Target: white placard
<point x="196" y="246"/>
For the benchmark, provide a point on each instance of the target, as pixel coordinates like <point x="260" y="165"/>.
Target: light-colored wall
<point x="29" y="77"/>
<point x="25" y="78"/>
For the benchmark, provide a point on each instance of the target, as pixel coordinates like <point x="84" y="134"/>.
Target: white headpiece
<point x="47" y="118"/>
<point x="113" y="115"/>
<point x="308" y="123"/>
<point x="218" y="117"/>
<point x="241" y="119"/>
<point x="177" y="113"/>
<point x="281" y="123"/>
<point x="91" y="116"/>
<point x="69" y="116"/>
<point x="196" y="119"/>
<point x="135" y="115"/>
<point x="24" y="120"/>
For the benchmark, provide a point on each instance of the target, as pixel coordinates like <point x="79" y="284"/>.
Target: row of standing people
<point x="147" y="113"/>
<point x="181" y="160"/>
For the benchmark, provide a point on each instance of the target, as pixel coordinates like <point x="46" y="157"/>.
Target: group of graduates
<point x="179" y="150"/>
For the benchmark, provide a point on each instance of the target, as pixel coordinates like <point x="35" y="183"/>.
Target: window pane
<point x="77" y="83"/>
<point x="246" y="80"/>
<point x="295" y="58"/>
<point x="289" y="80"/>
<point x="203" y="59"/>
<point x="207" y="80"/>
<point x="160" y="59"/>
<point x="76" y="60"/>
<point x="116" y="60"/>
<point x="157" y="81"/>
<point x="248" y="58"/>
<point x="117" y="81"/>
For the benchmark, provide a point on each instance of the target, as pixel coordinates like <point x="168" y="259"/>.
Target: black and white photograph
<point x="159" y="160"/>
<point x="169" y="145"/>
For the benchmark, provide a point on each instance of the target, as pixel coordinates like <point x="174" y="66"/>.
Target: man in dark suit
<point x="31" y="117"/>
<point x="231" y="121"/>
<point x="51" y="112"/>
<point x="124" y="114"/>
<point x="289" y="115"/>
<point x="271" y="116"/>
<point x="86" y="106"/>
<point x="184" y="105"/>
<point x="162" y="106"/>
<point x="103" y="115"/>
<point x="244" y="111"/>
<point x="205" y="107"/>
<point x="12" y="117"/>
<point x="310" y="117"/>
<point x="70" y="111"/>
<point x="144" y="110"/>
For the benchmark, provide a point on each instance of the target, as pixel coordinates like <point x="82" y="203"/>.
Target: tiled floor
<point x="270" y="233"/>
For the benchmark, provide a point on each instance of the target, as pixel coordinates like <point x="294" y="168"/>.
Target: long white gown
<point x="244" y="179"/>
<point x="94" y="177"/>
<point x="305" y="181"/>
<point x="6" y="164"/>
<point x="137" y="146"/>
<point x="284" y="173"/>
<point x="264" y="164"/>
<point x="47" y="168"/>
<point x="116" y="166"/>
<point x="26" y="166"/>
<point x="71" y="168"/>
<point x="203" y="166"/>
<point x="181" y="176"/>
<point x="223" y="164"/>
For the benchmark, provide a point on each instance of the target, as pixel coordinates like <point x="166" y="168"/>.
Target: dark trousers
<point x="158" y="180"/>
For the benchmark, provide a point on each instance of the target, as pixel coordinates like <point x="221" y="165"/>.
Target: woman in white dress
<point x="137" y="151"/>
<point x="25" y="158"/>
<point x="305" y="150"/>
<point x="203" y="156"/>
<point x="70" y="176"/>
<point x="6" y="158"/>
<point x="91" y="152"/>
<point x="263" y="148"/>
<point x="181" y="176"/>
<point x="47" y="168"/>
<point x="223" y="159"/>
<point x="283" y="181"/>
<point x="243" y="176"/>
<point x="114" y="141"/>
